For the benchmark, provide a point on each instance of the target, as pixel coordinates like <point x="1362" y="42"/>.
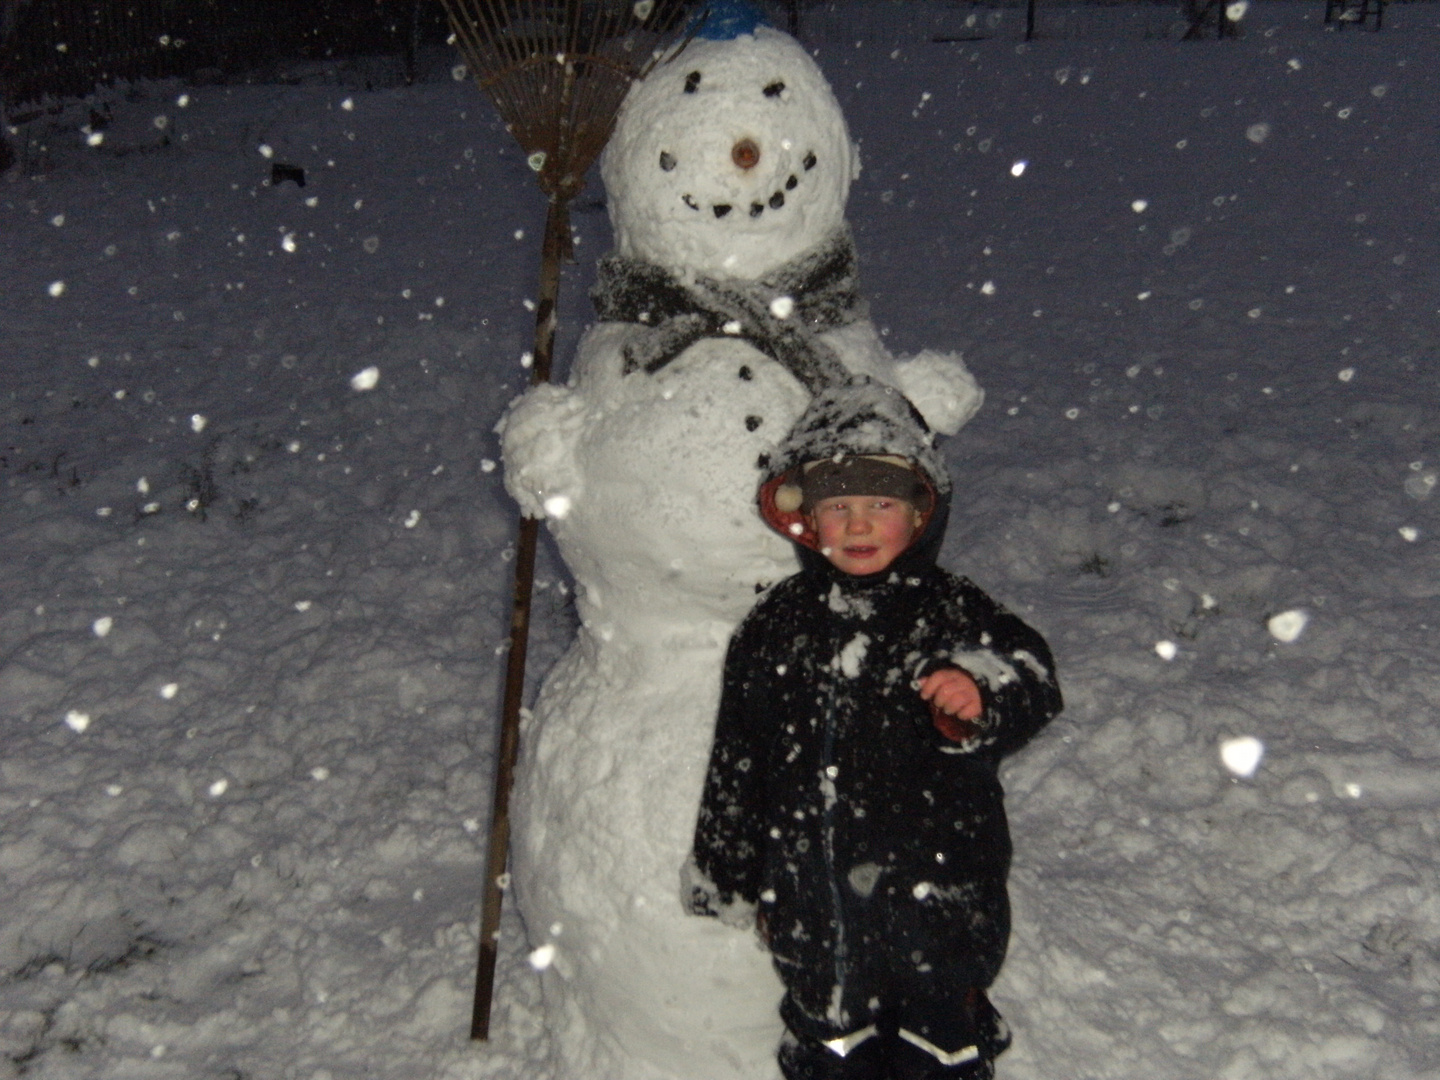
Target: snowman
<point x="729" y="301"/>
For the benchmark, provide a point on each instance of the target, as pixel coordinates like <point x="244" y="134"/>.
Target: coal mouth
<point x="776" y="200"/>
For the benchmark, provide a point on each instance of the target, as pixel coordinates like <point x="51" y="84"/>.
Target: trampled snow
<point x="241" y="831"/>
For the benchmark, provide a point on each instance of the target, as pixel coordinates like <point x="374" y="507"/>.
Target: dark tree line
<point x="67" y="47"/>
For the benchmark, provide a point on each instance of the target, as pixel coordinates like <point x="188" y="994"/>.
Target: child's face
<point x="862" y="534"/>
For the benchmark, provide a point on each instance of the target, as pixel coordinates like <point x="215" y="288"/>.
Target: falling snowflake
<point x="1242" y="755"/>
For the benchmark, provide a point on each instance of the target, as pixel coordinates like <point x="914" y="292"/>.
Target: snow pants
<point x="957" y="1038"/>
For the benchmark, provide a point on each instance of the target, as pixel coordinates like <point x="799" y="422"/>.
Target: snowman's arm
<point x="938" y="384"/>
<point x="941" y="387"/>
<point x="539" y="434"/>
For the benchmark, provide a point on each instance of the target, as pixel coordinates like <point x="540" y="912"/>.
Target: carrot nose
<point x="745" y="154"/>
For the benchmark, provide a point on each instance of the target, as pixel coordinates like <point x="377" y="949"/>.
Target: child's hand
<point x="953" y="692"/>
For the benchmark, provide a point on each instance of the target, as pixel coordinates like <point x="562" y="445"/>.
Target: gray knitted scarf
<point x="820" y="286"/>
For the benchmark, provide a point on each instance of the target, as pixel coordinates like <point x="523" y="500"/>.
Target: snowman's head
<point x="728" y="159"/>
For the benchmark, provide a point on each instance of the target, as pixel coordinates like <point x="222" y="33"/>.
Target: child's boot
<point x="965" y="1043"/>
<point x="859" y="1056"/>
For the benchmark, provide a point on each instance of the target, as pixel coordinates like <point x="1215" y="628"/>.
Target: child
<point x="852" y="810"/>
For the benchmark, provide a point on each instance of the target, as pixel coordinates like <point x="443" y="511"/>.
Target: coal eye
<point x="809" y="161"/>
<point x="667" y="160"/>
<point x="775" y="89"/>
<point x="692" y="82"/>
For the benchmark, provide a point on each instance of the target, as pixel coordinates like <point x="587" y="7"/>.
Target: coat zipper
<point x="831" y="800"/>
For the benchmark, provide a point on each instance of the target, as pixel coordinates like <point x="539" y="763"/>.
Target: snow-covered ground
<point x="251" y="613"/>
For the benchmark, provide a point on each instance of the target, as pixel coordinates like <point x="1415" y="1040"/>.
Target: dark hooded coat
<point x="875" y="847"/>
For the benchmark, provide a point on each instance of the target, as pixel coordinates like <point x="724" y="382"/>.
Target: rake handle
<point x="553" y="251"/>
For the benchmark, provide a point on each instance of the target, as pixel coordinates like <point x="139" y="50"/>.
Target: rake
<point x="557" y="71"/>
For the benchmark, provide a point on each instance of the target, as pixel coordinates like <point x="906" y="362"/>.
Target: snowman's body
<point x="647" y="481"/>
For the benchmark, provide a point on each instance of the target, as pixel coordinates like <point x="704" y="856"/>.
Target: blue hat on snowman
<point x="725" y="20"/>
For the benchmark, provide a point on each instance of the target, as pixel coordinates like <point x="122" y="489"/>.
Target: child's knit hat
<point x="887" y="475"/>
